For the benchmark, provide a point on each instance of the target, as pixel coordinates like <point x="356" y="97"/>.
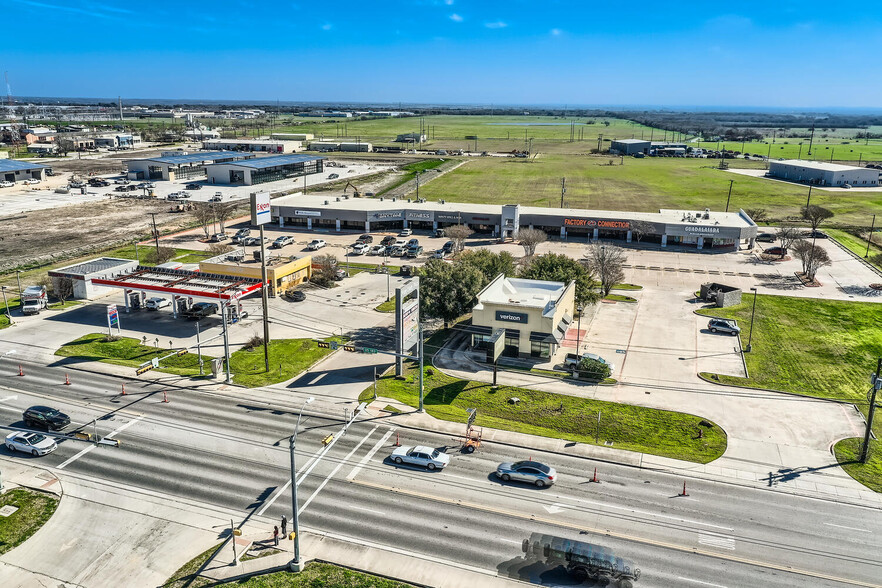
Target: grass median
<point x="129" y="352"/>
<point x="818" y="348"/>
<point x="287" y="358"/>
<point x="622" y="426"/>
<point x="34" y="509"/>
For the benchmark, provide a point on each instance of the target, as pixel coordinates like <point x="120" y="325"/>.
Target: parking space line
<point x="369" y="455"/>
<point x="317" y="378"/>
<point x="91" y="447"/>
<point x="336" y="469"/>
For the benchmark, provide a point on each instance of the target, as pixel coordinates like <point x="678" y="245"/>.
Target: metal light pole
<point x="198" y="349"/>
<point x="6" y="304"/>
<point x="730" y="194"/>
<point x="870" y="237"/>
<point x="871" y="396"/>
<point x="295" y="564"/>
<point x="226" y="340"/>
<point x="752" y="312"/>
<point x="420" y="349"/>
<point x="579" y="330"/>
<point x="18" y="277"/>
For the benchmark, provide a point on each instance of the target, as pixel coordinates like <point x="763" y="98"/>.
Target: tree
<point x="458" y="234"/>
<point x="530" y="239"/>
<point x="488" y="263"/>
<point x="204" y="215"/>
<point x="162" y="255"/>
<point x="812" y="257"/>
<point x="219" y="248"/>
<point x="759" y="215"/>
<point x="606" y="262"/>
<point x="62" y="288"/>
<point x="448" y="290"/>
<point x="327" y="269"/>
<point x="787" y="234"/>
<point x="593" y="368"/>
<point x="64" y="145"/>
<point x="814" y="215"/>
<point x="223" y="212"/>
<point x="557" y="267"/>
<point x="640" y="228"/>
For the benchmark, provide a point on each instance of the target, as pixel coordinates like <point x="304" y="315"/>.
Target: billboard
<point x="407" y="319"/>
<point x="260" y="208"/>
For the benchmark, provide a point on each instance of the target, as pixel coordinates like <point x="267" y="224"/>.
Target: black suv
<point x="201" y="310"/>
<point x="388" y="240"/>
<point x="365" y="239"/>
<point x="194" y="186"/>
<point x="45" y="418"/>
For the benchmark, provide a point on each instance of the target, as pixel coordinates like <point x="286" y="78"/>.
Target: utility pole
<point x="811" y="139"/>
<point x="870" y="237"/>
<point x="265" y="299"/>
<point x="730" y="194"/>
<point x="155" y="235"/>
<point x="876" y="379"/>
<point x="563" y="190"/>
<point x="809" y="199"/>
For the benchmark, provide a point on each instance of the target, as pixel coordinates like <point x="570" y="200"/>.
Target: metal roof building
<point x="265" y="169"/>
<point x="629" y="146"/>
<point x="179" y="167"/>
<point x="83" y="273"/>
<point x="821" y="173"/>
<point x="14" y="170"/>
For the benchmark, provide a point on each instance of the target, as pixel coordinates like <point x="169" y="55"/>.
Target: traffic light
<point x="324" y="344"/>
<point x="349" y="347"/>
<point x="327" y="440"/>
<point x="182" y="352"/>
<point x="143" y="369"/>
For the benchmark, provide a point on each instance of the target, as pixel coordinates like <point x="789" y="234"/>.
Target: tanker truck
<point x="583" y="560"/>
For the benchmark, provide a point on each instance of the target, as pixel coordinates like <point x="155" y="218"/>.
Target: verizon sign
<point x="260" y="208"/>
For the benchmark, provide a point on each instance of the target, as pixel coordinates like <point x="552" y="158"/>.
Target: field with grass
<point x="129" y="352"/>
<point x="34" y="509"/>
<point x="821" y="348"/>
<point x="287" y="358"/>
<point x="824" y="149"/>
<point x="639" y="185"/>
<point x="634" y="428"/>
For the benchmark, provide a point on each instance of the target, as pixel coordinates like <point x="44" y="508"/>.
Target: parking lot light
<point x="752" y="312"/>
<point x="295" y="565"/>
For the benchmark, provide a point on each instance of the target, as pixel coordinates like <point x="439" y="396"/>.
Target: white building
<point x="264" y="169"/>
<point x="823" y="174"/>
<point x="253" y="145"/>
<point x="358" y="147"/>
<point x="178" y="166"/>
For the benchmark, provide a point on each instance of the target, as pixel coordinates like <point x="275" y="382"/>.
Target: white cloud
<point x="556" y="32"/>
<point x="327" y="26"/>
<point x="495" y="25"/>
<point x="455" y="17"/>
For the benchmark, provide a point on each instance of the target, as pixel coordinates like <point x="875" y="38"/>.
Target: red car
<point x="780" y="251"/>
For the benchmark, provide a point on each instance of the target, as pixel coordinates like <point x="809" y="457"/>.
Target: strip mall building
<point x="702" y="229"/>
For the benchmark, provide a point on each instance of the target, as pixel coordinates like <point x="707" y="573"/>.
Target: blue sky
<point x="778" y="53"/>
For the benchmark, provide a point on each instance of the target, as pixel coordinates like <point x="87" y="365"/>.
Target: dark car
<point x="45" y="417"/>
<point x="388" y="240"/>
<point x="201" y="310"/>
<point x="780" y="251"/>
<point x="194" y="186"/>
<point x="365" y="239"/>
<point x="815" y="235"/>
<point x="438" y="233"/>
<point x="98" y="182"/>
<point x="447" y="247"/>
<point x="766" y="238"/>
<point x="295" y="295"/>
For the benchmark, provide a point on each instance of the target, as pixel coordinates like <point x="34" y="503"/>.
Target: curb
<point x="834" y="400"/>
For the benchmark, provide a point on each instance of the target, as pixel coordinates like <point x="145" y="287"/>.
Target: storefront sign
<point x="260" y="208"/>
<point x="307" y="213"/>
<point x="448" y="217"/>
<point x="419" y="216"/>
<point x="692" y="230"/>
<point x="389" y="215"/>
<point x="597" y="224"/>
<point x="512" y="317"/>
<point x="703" y="230"/>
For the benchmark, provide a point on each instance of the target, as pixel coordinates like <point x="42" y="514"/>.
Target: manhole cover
<point x="7" y="510"/>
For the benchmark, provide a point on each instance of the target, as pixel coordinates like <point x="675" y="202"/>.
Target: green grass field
<point x="34" y="509"/>
<point x="287" y="358"/>
<point x="634" y="428"/>
<point x="848" y="452"/>
<point x="129" y="352"/>
<point x="639" y="185"/>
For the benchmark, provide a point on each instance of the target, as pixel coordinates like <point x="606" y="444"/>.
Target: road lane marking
<point x="554" y="508"/>
<point x="509" y="540"/>
<point x="8" y="398"/>
<point x="91" y="447"/>
<point x="618" y="534"/>
<point x="849" y="528"/>
<point x="702" y="583"/>
<point x="369" y="455"/>
<point x="317" y="378"/>
<point x="287" y="484"/>
<point x="379" y="512"/>
<point x="336" y="469"/>
<point x="721" y="541"/>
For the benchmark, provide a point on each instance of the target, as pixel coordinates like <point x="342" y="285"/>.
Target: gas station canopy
<point x="180" y="282"/>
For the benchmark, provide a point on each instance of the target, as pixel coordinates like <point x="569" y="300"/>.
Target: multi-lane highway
<point x="231" y="449"/>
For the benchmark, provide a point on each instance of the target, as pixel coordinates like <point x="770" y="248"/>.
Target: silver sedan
<point x="421" y="456"/>
<point x="531" y="472"/>
<point x="33" y="443"/>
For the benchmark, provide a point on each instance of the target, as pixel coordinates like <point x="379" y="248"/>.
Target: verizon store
<point x="701" y="229"/>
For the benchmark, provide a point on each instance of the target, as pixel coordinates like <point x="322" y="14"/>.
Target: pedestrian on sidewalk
<point x="276" y="535"/>
<point x="284" y="526"/>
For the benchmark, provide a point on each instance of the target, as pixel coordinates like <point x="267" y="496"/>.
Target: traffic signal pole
<point x="877" y="383"/>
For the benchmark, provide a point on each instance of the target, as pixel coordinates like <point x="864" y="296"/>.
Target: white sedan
<point x="420" y="456"/>
<point x="33" y="443"/>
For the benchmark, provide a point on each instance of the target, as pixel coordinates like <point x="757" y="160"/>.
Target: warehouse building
<point x="357" y="147"/>
<point x="411" y="138"/>
<point x="282" y="272"/>
<point x="120" y="141"/>
<point x="254" y="145"/>
<point x="174" y="166"/>
<point x="629" y="146"/>
<point x="689" y="228"/>
<point x="823" y="174"/>
<point x="13" y="170"/>
<point x="534" y="314"/>
<point x="293" y="136"/>
<point x="324" y="146"/>
<point x="265" y="169"/>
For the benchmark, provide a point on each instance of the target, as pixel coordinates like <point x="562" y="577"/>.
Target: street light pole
<point x="730" y="194"/>
<point x="752" y="311"/>
<point x="579" y="330"/>
<point x="870" y="236"/>
<point x="20" y="297"/>
<point x="295" y="564"/>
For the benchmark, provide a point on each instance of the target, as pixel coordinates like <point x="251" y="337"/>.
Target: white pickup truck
<point x="572" y="360"/>
<point x="34" y="299"/>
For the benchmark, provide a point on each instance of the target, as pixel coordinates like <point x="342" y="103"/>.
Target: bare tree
<point x="327" y="269"/>
<point x="530" y="239"/>
<point x="223" y="212"/>
<point x="814" y="215"/>
<point x="458" y="234"/>
<point x="787" y="234"/>
<point x="161" y="255"/>
<point x="606" y="262"/>
<point x="640" y="229"/>
<point x="812" y="257"/>
<point x="204" y="215"/>
<point x="802" y="250"/>
<point x="219" y="248"/>
<point x="759" y="215"/>
<point x="62" y="288"/>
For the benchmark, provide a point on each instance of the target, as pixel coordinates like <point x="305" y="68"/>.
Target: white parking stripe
<point x="317" y="378"/>
<point x="369" y="455"/>
<point x="720" y="541"/>
<point x="336" y="469"/>
<point x="91" y="447"/>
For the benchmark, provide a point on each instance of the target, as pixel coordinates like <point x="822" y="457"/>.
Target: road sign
<point x="368" y="350"/>
<point x="260" y="208"/>
<point x="334" y="345"/>
<point x="495" y="346"/>
<point x="473" y="413"/>
<point x="155" y="362"/>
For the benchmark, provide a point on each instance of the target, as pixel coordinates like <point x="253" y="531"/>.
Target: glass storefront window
<point x="539" y="349"/>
